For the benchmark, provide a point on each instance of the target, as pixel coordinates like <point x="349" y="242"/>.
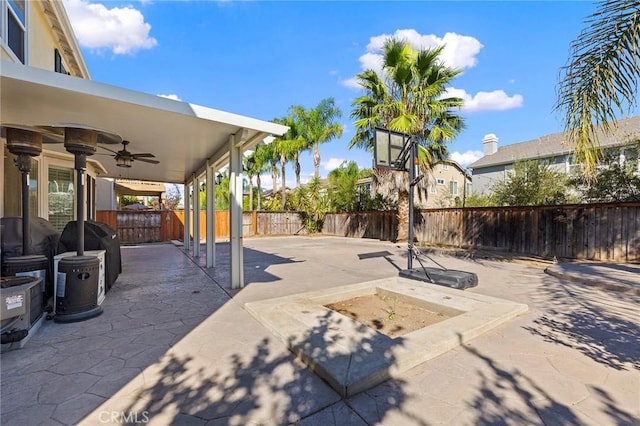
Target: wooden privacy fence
<point x="377" y="225"/>
<point x="135" y="227"/>
<point x="585" y="231"/>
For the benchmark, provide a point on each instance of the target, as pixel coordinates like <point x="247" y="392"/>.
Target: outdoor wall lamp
<point x="251" y="161"/>
<point x="218" y="178"/>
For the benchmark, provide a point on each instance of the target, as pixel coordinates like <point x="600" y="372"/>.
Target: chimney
<point x="490" y="144"/>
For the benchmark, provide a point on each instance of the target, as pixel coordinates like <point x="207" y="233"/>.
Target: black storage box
<point x="97" y="236"/>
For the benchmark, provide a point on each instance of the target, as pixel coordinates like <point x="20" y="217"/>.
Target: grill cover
<point x="44" y="241"/>
<point x="97" y="236"/>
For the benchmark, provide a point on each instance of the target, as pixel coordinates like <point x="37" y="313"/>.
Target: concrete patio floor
<point x="176" y="346"/>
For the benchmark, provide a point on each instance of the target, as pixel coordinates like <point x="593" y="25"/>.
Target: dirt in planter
<point x="387" y="314"/>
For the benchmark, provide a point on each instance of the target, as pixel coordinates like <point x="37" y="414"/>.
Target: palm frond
<point x="601" y="80"/>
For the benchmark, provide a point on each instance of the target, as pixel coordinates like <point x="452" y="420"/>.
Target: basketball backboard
<point x="390" y="148"/>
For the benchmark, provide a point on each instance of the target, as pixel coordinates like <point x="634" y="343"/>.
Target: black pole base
<point x="78" y="316"/>
<point x="446" y="277"/>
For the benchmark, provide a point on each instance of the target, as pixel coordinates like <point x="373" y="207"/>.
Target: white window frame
<point x="7" y="8"/>
<point x="440" y="182"/>
<point x="451" y="182"/>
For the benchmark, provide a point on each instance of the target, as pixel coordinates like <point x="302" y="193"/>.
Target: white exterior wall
<point x="106" y="194"/>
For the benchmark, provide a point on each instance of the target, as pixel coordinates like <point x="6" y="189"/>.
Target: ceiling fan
<point x="124" y="158"/>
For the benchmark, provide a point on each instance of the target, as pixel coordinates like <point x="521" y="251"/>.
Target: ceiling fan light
<point x="123" y="162"/>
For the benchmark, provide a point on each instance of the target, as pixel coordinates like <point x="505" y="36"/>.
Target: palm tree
<point x="318" y="125"/>
<point x="287" y="147"/>
<point x="410" y="98"/>
<point x="601" y="78"/>
<point x="251" y="172"/>
<point x="264" y="161"/>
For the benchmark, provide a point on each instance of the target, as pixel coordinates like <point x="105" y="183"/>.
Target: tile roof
<point x="553" y="144"/>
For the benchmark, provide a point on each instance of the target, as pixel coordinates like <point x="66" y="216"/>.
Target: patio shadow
<point x="590" y="322"/>
<point x="267" y="386"/>
<point x="509" y="396"/>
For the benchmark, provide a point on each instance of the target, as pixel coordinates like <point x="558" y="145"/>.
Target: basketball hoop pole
<point x="395" y="150"/>
<point x="412" y="183"/>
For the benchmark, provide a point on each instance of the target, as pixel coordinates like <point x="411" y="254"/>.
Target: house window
<point x="445" y="167"/>
<point x="453" y="187"/>
<point x="508" y="170"/>
<point x="16" y="27"/>
<point x="469" y="188"/>
<point x="440" y="181"/>
<point x="432" y="189"/>
<point x="58" y="64"/>
<point x="61" y="196"/>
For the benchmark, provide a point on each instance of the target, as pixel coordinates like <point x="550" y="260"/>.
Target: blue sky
<point x="258" y="58"/>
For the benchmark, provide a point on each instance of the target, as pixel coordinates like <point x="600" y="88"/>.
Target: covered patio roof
<point x="182" y="136"/>
<point x="189" y="141"/>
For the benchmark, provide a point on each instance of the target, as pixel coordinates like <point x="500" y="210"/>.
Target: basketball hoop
<point x="391" y="149"/>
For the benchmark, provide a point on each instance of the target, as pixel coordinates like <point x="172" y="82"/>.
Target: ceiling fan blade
<point x="144" y="154"/>
<point x="110" y="150"/>
<point x="146" y="160"/>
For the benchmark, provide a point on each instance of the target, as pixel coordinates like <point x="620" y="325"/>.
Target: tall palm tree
<point x="601" y="79"/>
<point x="410" y="97"/>
<point x="318" y="125"/>
<point x="266" y="160"/>
<point x="286" y="148"/>
<point x="251" y="172"/>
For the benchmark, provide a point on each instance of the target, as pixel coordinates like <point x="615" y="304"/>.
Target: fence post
<point x="254" y="222"/>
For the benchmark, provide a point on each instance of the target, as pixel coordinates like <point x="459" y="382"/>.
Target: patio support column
<point x="235" y="208"/>
<point x="187" y="218"/>
<point x="211" y="216"/>
<point x="196" y="216"/>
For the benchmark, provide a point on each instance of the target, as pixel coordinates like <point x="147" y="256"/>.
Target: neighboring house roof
<point x="554" y="145"/>
<point x="458" y="166"/>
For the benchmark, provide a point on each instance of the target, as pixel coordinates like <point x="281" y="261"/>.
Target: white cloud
<point x="459" y="50"/>
<point x="351" y="83"/>
<point x="466" y="158"/>
<point x="332" y="163"/>
<point x="496" y="100"/>
<point x="172" y="96"/>
<point x="119" y="29"/>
